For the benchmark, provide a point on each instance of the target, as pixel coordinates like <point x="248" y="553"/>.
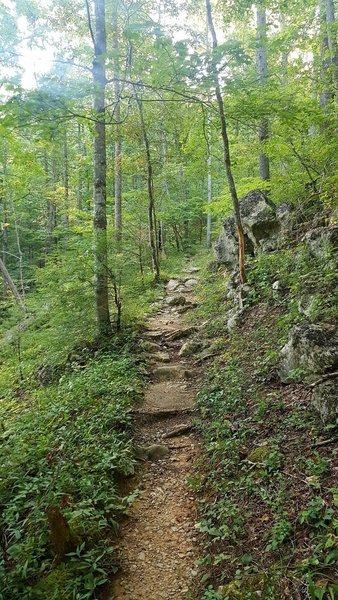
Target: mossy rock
<point x="148" y="346"/>
<point x="259" y="454"/>
<point x="54" y="585"/>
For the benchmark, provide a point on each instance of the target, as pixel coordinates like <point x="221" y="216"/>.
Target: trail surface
<point x="158" y="545"/>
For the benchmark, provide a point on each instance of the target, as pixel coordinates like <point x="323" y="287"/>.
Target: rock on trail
<point x="158" y="544"/>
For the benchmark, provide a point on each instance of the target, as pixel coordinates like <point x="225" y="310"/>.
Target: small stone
<point x="191" y="283"/>
<point x="176" y="300"/>
<point x="172" y="285"/>
<point x="141" y="556"/>
<point x="161" y="357"/>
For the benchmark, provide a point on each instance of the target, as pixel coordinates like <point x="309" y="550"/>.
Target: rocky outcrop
<point x="325" y="400"/>
<point x="322" y="241"/>
<point x="311" y="349"/>
<point x="48" y="374"/>
<point x="261" y="223"/>
<point x="190" y="347"/>
<point x="176" y="300"/>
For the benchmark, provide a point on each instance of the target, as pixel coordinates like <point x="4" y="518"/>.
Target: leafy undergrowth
<point x="268" y="492"/>
<point x="65" y="445"/>
<point x="66" y="436"/>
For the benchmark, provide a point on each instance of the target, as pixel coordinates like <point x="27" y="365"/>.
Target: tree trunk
<point x="5" y="219"/>
<point x="20" y="256"/>
<point x="10" y="283"/>
<point x="285" y="53"/>
<point x="326" y="94"/>
<point x="332" y="43"/>
<point x="51" y="206"/>
<point x="79" y="181"/>
<point x="177" y="237"/>
<point x="226" y="150"/>
<point x="118" y="140"/>
<point x="100" y="168"/>
<point x="166" y="193"/>
<point x="151" y="208"/>
<point x="65" y="217"/>
<point x="262" y="70"/>
<point x="209" y="184"/>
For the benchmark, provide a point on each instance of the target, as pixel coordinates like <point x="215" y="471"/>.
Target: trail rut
<point x="158" y="545"/>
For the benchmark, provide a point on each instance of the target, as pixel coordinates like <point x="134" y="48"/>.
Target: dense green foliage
<point x="268" y="496"/>
<point x="66" y="445"/>
<point x="65" y="393"/>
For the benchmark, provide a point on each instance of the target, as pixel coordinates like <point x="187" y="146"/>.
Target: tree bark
<point x="151" y="207"/>
<point x="65" y="217"/>
<point x="118" y="140"/>
<point x="326" y="93"/>
<point x="209" y="184"/>
<point x="226" y="150"/>
<point x="10" y="283"/>
<point x="5" y="219"/>
<point x="262" y="70"/>
<point x="332" y="43"/>
<point x="51" y="206"/>
<point x="285" y="53"/>
<point x="79" y="181"/>
<point x="100" y="170"/>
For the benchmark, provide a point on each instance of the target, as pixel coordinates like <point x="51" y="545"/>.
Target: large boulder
<point x="322" y="241"/>
<point x="325" y="400"/>
<point x="261" y="225"/>
<point x="310" y="350"/>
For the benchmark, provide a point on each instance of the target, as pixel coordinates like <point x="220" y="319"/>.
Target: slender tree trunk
<point x="100" y="169"/>
<point x="326" y="94"/>
<point x="65" y="217"/>
<point x="11" y="285"/>
<point x="285" y="53"/>
<point x="79" y="181"/>
<point x="226" y="150"/>
<point x="20" y="255"/>
<point x="332" y="43"/>
<point x="51" y="206"/>
<point x="166" y="194"/>
<point x="177" y="237"/>
<point x="262" y="69"/>
<point x="5" y="220"/>
<point x="118" y="140"/>
<point x="151" y="208"/>
<point x="209" y="183"/>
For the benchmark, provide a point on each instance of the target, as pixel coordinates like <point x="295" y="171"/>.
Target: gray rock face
<point x="172" y="285"/>
<point x="322" y="241"/>
<point x="190" y="347"/>
<point x="325" y="400"/>
<point x="234" y="318"/>
<point x="47" y="374"/>
<point x="191" y="282"/>
<point x="310" y="348"/>
<point x="176" y="300"/>
<point x="261" y="228"/>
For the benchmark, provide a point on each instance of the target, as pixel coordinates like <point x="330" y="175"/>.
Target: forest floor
<point x="158" y="546"/>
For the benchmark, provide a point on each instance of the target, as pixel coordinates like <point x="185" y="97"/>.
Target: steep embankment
<point x="158" y="541"/>
<point x="267" y="482"/>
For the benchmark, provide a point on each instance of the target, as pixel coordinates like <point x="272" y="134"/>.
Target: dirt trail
<point x="158" y="545"/>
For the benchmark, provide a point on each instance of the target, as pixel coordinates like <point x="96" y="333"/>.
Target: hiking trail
<point x="158" y="544"/>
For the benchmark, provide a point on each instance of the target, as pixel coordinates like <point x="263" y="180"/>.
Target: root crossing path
<point x="158" y="546"/>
